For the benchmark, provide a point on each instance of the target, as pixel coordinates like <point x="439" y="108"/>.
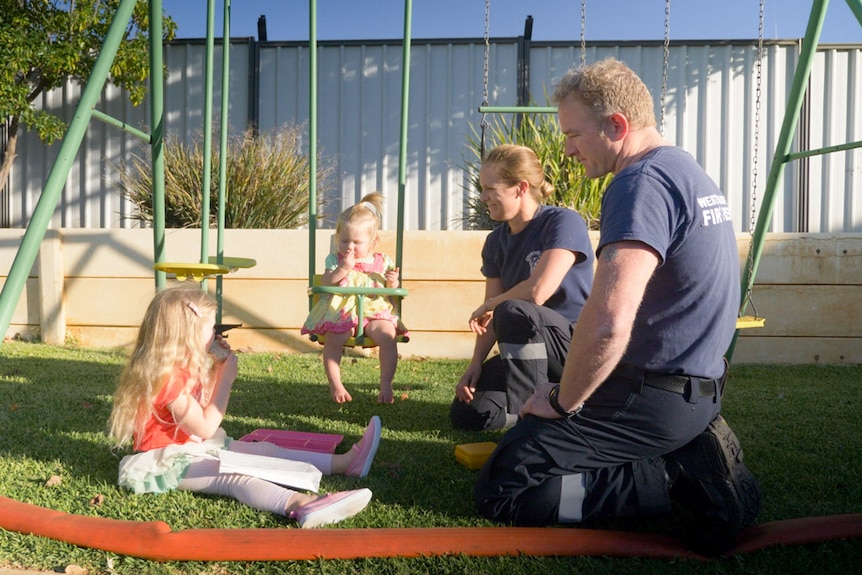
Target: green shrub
<point x="540" y="132"/>
<point x="266" y="187"/>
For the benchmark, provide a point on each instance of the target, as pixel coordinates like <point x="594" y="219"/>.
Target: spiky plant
<point x="266" y="185"/>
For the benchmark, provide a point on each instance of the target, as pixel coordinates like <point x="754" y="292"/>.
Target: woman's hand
<point x="467" y="384"/>
<point x="480" y="319"/>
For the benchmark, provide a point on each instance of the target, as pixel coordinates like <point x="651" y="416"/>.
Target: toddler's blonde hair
<point x="368" y="211"/>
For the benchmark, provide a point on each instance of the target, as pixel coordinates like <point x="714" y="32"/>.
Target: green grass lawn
<point x="800" y="427"/>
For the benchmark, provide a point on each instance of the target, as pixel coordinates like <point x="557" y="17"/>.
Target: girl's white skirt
<point x="161" y="470"/>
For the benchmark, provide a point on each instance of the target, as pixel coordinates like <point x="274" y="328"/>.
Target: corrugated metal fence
<point x="709" y="110"/>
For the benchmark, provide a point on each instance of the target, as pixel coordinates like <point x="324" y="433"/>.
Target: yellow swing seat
<point x="749" y="321"/>
<point x="359" y="339"/>
<point x="234" y="263"/>
<point x="196" y="271"/>
<point x="199" y="271"/>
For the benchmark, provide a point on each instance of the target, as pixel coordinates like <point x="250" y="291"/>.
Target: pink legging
<point x="203" y="476"/>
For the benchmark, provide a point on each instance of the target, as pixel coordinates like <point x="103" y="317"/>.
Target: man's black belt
<point x="690" y="387"/>
<point x="681" y="384"/>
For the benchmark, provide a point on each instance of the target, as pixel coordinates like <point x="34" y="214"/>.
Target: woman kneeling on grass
<point x="171" y="400"/>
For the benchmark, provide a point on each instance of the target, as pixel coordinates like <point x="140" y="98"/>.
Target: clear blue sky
<point x="552" y="19"/>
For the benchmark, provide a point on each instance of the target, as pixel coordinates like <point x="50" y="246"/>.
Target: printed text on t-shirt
<point x="714" y="209"/>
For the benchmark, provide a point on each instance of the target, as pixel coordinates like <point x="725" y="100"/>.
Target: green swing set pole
<point x="856" y="8"/>
<point x="110" y="120"/>
<point x="312" y="140"/>
<point x="157" y="151"/>
<point x="41" y="218"/>
<point x="782" y="152"/>
<point x="222" y="164"/>
<point x="402" y="151"/>
<point x="208" y="133"/>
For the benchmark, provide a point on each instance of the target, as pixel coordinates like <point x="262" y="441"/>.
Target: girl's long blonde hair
<point x="170" y="338"/>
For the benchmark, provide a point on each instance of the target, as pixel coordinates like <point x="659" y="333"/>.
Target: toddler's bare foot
<point x="339" y="393"/>
<point x="385" y="395"/>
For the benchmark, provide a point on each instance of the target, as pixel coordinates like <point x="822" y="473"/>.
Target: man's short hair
<point x="609" y="87"/>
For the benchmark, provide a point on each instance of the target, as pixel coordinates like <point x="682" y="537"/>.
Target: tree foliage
<point x="45" y="42"/>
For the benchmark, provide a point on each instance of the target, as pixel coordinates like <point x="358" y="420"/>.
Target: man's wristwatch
<point x="553" y="399"/>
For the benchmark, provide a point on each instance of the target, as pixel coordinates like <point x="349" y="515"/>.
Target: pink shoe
<point x="367" y="447"/>
<point x="331" y="508"/>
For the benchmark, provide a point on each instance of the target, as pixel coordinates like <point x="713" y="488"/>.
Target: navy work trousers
<point x="533" y="342"/>
<point x="615" y="443"/>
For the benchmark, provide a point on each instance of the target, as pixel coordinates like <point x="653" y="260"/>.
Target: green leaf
<point x="43" y="43"/>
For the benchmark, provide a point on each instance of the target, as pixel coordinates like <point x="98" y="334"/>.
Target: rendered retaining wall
<point x="91" y="287"/>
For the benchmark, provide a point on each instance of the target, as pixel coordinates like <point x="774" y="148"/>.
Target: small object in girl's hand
<point x="218" y="351"/>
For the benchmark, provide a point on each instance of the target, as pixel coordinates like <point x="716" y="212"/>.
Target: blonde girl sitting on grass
<point x="171" y="400"/>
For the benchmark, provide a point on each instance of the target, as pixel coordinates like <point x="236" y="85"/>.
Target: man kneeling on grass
<point x="635" y="422"/>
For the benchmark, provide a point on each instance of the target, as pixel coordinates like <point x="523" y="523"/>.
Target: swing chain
<point x="757" y="99"/>
<point x="485" y="74"/>
<point x="583" y="32"/>
<point x="752" y="223"/>
<point x="665" y="59"/>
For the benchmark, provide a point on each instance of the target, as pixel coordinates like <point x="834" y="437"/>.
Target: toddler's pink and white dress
<point x="334" y="313"/>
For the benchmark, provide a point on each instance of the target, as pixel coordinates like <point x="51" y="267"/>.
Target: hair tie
<point x="371" y="208"/>
<point x="194" y="308"/>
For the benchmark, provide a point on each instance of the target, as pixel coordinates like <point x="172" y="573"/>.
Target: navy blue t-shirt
<point x="688" y="315"/>
<point x="512" y="257"/>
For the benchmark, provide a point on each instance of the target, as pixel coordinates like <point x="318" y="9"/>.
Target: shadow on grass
<point x="799" y="426"/>
<point x="54" y="412"/>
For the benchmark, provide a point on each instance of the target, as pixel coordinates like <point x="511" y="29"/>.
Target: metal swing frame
<point x="783" y="154"/>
